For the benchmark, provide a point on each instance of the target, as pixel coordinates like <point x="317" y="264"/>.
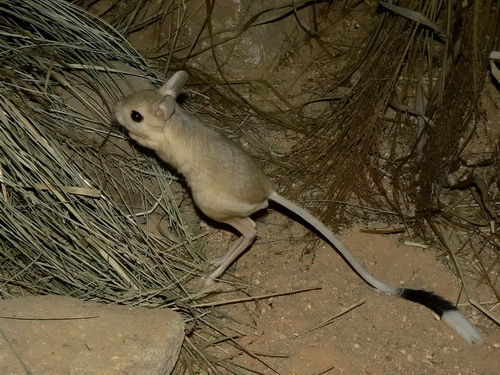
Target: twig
<point x="254" y="298"/>
<point x="330" y="320"/>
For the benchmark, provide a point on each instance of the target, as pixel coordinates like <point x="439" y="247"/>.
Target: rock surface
<point x="62" y="335"/>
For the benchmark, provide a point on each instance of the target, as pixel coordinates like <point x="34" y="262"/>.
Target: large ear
<point x="174" y="85"/>
<point x="165" y="108"/>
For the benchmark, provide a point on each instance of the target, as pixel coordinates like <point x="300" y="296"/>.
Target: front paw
<point x="207" y="282"/>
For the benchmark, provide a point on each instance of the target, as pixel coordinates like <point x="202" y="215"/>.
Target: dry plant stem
<point x="201" y="355"/>
<point x="255" y="356"/>
<point x="219" y="37"/>
<point x="253" y="298"/>
<point x="326" y="370"/>
<point x="267" y="115"/>
<point x="458" y="268"/>
<point x="353" y="136"/>
<point x="240" y="347"/>
<point x="112" y="262"/>
<point x="330" y="320"/>
<point x="485" y="311"/>
<point x="452" y="255"/>
<point x="443" y="140"/>
<point x="413" y="15"/>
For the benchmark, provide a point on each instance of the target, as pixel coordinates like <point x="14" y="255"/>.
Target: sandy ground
<point x="377" y="334"/>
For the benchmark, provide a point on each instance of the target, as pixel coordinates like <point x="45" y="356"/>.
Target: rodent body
<point x="224" y="180"/>
<point x="228" y="185"/>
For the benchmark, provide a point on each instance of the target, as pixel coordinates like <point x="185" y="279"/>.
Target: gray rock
<point x="62" y="335"/>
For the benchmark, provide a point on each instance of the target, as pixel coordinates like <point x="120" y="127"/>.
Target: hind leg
<point x="246" y="227"/>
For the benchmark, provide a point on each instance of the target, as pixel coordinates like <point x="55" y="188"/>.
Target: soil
<point x="347" y="327"/>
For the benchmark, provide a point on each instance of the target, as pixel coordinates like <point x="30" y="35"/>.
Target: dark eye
<point x="136" y="116"/>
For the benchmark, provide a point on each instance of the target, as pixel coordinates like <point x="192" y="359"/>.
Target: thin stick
<point x="247" y="299"/>
<point x="330" y="320"/>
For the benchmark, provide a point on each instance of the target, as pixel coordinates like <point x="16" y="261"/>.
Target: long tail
<point x="445" y="309"/>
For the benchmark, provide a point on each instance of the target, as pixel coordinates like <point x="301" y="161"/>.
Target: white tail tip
<point x="461" y="325"/>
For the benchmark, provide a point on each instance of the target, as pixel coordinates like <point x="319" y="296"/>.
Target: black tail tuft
<point x="447" y="311"/>
<point x="431" y="300"/>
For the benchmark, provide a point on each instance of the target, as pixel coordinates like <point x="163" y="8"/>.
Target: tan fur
<point x="224" y="180"/>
